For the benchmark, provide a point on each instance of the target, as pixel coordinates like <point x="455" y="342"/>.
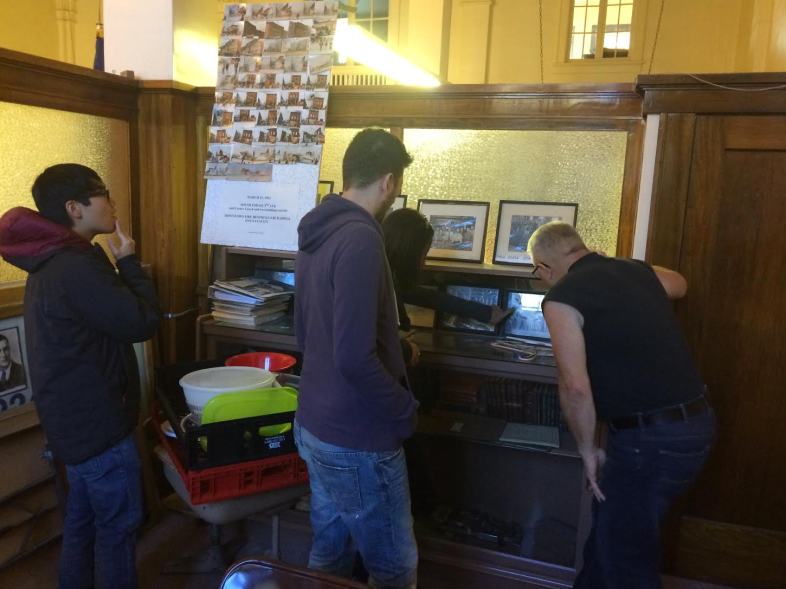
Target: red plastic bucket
<point x="277" y="362"/>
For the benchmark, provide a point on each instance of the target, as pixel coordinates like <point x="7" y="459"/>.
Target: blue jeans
<point x="646" y="470"/>
<point x="102" y="517"/>
<point x="360" y="501"/>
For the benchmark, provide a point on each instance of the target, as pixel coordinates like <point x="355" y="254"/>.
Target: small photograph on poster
<point x="320" y="82"/>
<point x="254" y="29"/>
<point x="292" y="99"/>
<point x="289" y="117"/>
<point x="215" y="171"/>
<point x="264" y="155"/>
<point x="267" y="100"/>
<point x="267" y="117"/>
<point x="229" y="47"/>
<point x="288" y="136"/>
<point x="316" y="100"/>
<point x="318" y="64"/>
<point x="242" y="154"/>
<point x="281" y="155"/>
<point x="297" y="63"/>
<point x="246" y="117"/>
<point x="225" y="99"/>
<point x="218" y="154"/>
<point x="246" y="99"/>
<point x="314" y="117"/>
<point x="220" y="135"/>
<point x="248" y="81"/>
<point x="300" y="29"/>
<point x="265" y="136"/>
<point x="273" y="46"/>
<point x="14" y="382"/>
<point x="325" y="27"/>
<point x="228" y="66"/>
<point x="232" y="29"/>
<point x="296" y="46"/>
<point x="234" y="12"/>
<point x="289" y="10"/>
<point x="242" y="135"/>
<point x="321" y="44"/>
<point x="251" y="47"/>
<point x="293" y="82"/>
<point x="326" y="8"/>
<point x="276" y="30"/>
<point x="311" y="155"/>
<point x="309" y="8"/>
<point x="272" y="81"/>
<point x="272" y="64"/>
<point x="312" y="135"/>
<point x="250" y="172"/>
<point x="261" y="11"/>
<point x="251" y="65"/>
<point x="222" y="117"/>
<point x="226" y="82"/>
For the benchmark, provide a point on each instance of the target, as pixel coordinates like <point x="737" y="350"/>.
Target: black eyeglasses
<point x="536" y="269"/>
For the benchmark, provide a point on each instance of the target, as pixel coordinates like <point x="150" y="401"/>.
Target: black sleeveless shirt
<point x="637" y="357"/>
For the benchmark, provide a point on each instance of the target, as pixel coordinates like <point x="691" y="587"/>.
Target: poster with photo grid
<point x="274" y="61"/>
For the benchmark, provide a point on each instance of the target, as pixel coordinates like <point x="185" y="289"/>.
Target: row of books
<point x="249" y="302"/>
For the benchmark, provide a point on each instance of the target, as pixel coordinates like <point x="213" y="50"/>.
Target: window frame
<point x="637" y="31"/>
<point x="393" y="18"/>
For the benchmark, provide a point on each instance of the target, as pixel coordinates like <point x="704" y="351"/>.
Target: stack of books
<point x="249" y="302"/>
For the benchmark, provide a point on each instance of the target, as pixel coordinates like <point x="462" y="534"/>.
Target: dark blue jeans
<point x="102" y="518"/>
<point x="646" y="469"/>
<point x="360" y="501"/>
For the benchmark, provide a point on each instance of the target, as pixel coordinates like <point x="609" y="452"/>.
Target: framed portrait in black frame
<point x="459" y="229"/>
<point x="518" y="220"/>
<point x="487" y="295"/>
<point x="324" y="188"/>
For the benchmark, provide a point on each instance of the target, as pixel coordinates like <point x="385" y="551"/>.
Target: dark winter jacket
<point x="81" y="319"/>
<point x="351" y="392"/>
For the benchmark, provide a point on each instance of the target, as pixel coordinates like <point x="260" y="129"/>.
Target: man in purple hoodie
<point x="354" y="408"/>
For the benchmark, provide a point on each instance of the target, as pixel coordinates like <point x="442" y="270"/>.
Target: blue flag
<point x="98" y="62"/>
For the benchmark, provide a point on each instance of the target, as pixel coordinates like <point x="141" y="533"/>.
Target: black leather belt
<point x="679" y="412"/>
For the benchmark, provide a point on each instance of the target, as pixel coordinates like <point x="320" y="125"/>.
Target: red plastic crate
<point x="234" y="480"/>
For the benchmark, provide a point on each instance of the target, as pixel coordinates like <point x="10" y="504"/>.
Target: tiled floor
<point x="178" y="534"/>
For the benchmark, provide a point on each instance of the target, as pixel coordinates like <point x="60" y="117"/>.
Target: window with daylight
<point x="600" y="29"/>
<point x="371" y="15"/>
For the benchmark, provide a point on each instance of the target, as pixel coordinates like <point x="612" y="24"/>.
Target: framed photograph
<point x="14" y="375"/>
<point x="479" y="294"/>
<point x="399" y="203"/>
<point x="459" y="229"/>
<point x="527" y="319"/>
<point x="324" y="188"/>
<point x="518" y="220"/>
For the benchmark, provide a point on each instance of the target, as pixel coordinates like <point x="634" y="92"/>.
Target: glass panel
<point x="591" y="26"/>
<point x="380" y="29"/>
<point x="584" y="167"/>
<point x="59" y="137"/>
<point x="364" y="9"/>
<point x="612" y="16"/>
<point x="336" y="143"/>
<point x="381" y="9"/>
<point x="593" y="3"/>
<point x="364" y="24"/>
<point x="578" y="19"/>
<point x="580" y="3"/>
<point x="576" y="42"/>
<point x="626" y="14"/>
<point x="589" y="46"/>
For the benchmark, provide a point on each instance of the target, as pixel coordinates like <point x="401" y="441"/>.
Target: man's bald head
<point x="554" y="247"/>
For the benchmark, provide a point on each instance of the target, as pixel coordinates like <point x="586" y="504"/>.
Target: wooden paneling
<point x="168" y="203"/>
<point x="35" y="81"/>
<point x="630" y="190"/>
<point x="670" y="189"/>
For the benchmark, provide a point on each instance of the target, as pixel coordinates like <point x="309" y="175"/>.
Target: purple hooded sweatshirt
<point x="351" y="391"/>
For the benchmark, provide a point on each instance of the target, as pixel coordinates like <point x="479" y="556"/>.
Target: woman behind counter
<point x="408" y="236"/>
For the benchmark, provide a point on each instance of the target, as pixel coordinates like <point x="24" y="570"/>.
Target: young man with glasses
<point x="622" y="360"/>
<point x="81" y="319"/>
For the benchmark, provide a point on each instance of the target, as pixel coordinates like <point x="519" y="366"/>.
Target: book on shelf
<point x="256" y="289"/>
<point x="246" y="320"/>
<point x="255" y="311"/>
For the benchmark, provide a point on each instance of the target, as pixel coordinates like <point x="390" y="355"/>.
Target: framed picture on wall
<point x="459" y="229"/>
<point x="14" y="375"/>
<point x="399" y="203"/>
<point x="324" y="187"/>
<point x="518" y="220"/>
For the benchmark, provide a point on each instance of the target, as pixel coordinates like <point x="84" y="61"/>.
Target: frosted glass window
<point x="584" y="167"/>
<point x="33" y="138"/>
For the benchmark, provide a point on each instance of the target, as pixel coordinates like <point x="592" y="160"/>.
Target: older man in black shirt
<point x="622" y="360"/>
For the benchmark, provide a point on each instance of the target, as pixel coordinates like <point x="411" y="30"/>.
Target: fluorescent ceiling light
<point x="354" y="42"/>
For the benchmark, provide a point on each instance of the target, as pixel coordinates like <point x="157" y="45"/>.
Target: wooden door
<point x="728" y="237"/>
